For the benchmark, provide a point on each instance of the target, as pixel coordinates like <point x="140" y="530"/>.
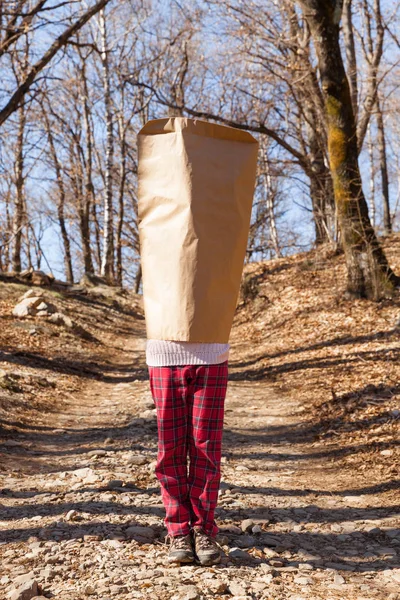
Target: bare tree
<point x="369" y="274"/>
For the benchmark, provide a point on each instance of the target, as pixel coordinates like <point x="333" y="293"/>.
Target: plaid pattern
<point x="190" y="413"/>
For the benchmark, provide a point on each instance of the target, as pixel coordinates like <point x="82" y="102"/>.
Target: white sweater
<point x="165" y="353"/>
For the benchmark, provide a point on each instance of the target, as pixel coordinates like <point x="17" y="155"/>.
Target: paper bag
<point x="196" y="185"/>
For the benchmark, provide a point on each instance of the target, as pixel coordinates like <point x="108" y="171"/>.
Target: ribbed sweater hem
<point x="164" y="353"/>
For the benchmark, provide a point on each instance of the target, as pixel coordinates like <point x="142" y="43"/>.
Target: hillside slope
<point x="308" y="503"/>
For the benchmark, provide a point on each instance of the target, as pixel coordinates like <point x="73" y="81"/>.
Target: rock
<point x="256" y="529"/>
<point x="392" y="533"/>
<point x="115" y="483"/>
<point x="188" y="592"/>
<point x="246" y="525"/>
<point x="47" y="573"/>
<point x="97" y="453"/>
<point x="86" y="474"/>
<point x="245" y="541"/>
<point x="222" y="540"/>
<point x="140" y="533"/>
<point x="26" y="307"/>
<point x="31" y="293"/>
<point x="387" y="452"/>
<point x="136" y="459"/>
<point x="217" y="587"/>
<point x="237" y="588"/>
<point x="71" y="514"/>
<point x="23" y="578"/>
<point x="26" y="591"/>
<point x="89" y="590"/>
<point x="238" y="554"/>
<point x="276" y="563"/>
<point x="300" y="580"/>
<point x="306" y="567"/>
<point x="269" y="553"/>
<point x="41" y="278"/>
<point x="338" y="579"/>
<point x="268" y="540"/>
<point x="61" y="319"/>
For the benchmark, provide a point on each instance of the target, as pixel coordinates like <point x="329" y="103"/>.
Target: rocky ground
<point x="305" y="513"/>
<point x="83" y="515"/>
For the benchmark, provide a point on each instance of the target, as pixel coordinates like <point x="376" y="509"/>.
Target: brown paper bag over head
<point x="196" y="185"/>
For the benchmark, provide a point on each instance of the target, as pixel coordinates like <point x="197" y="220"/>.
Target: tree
<point x="368" y="272"/>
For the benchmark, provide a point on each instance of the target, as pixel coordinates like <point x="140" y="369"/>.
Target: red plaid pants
<point x="190" y="414"/>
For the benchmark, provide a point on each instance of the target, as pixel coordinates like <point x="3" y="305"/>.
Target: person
<point x="196" y="182"/>
<point x="188" y="382"/>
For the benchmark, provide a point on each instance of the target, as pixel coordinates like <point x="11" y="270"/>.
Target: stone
<point x="338" y="579"/>
<point x="71" y="514"/>
<point x="306" y="567"/>
<point x="26" y="591"/>
<point x="23" y="578"/>
<point x="136" y="460"/>
<point x="189" y="592"/>
<point x="246" y="525"/>
<point x="61" y="319"/>
<point x="276" y="563"/>
<point x="237" y="588"/>
<point x="301" y="580"/>
<point x="140" y="533"/>
<point x="238" y="554"/>
<point x="41" y="278"/>
<point x="115" y="483"/>
<point x="26" y="307"/>
<point x="245" y="541"/>
<point x="216" y="586"/>
<point x="31" y="293"/>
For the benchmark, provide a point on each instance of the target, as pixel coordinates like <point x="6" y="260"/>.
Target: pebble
<point x="300" y="580"/>
<point x="247" y="525"/>
<point x="237" y="553"/>
<point x="246" y="541"/>
<point x="338" y="579"/>
<point x="237" y="588"/>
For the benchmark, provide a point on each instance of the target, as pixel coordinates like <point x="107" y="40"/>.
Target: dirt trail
<point x="81" y="513"/>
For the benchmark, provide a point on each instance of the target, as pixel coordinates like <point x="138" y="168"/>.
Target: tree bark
<point x="61" y="200"/>
<point x="368" y="272"/>
<point x="387" y="221"/>
<point x="107" y="265"/>
<point x="19" y="193"/>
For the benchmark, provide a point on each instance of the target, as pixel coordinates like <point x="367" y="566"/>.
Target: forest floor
<point x="309" y="502"/>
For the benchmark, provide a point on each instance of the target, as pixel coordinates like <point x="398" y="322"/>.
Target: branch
<point x="62" y="39"/>
<point x="260" y="128"/>
<point x="13" y="32"/>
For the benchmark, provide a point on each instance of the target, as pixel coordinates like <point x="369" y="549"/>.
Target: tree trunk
<point x="107" y="264"/>
<point x="19" y="193"/>
<point x="61" y="201"/>
<point x="122" y="179"/>
<point x="387" y="222"/>
<point x="351" y="57"/>
<point x="372" y="205"/>
<point x="269" y="200"/>
<point x="368" y="272"/>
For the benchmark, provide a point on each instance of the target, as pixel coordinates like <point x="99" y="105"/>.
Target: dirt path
<point x="81" y="513"/>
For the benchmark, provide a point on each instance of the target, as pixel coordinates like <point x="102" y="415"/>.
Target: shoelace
<point x="204" y="541"/>
<point x="179" y="542"/>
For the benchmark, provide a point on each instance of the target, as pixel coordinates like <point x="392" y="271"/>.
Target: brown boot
<point x="181" y="549"/>
<point x="206" y="548"/>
